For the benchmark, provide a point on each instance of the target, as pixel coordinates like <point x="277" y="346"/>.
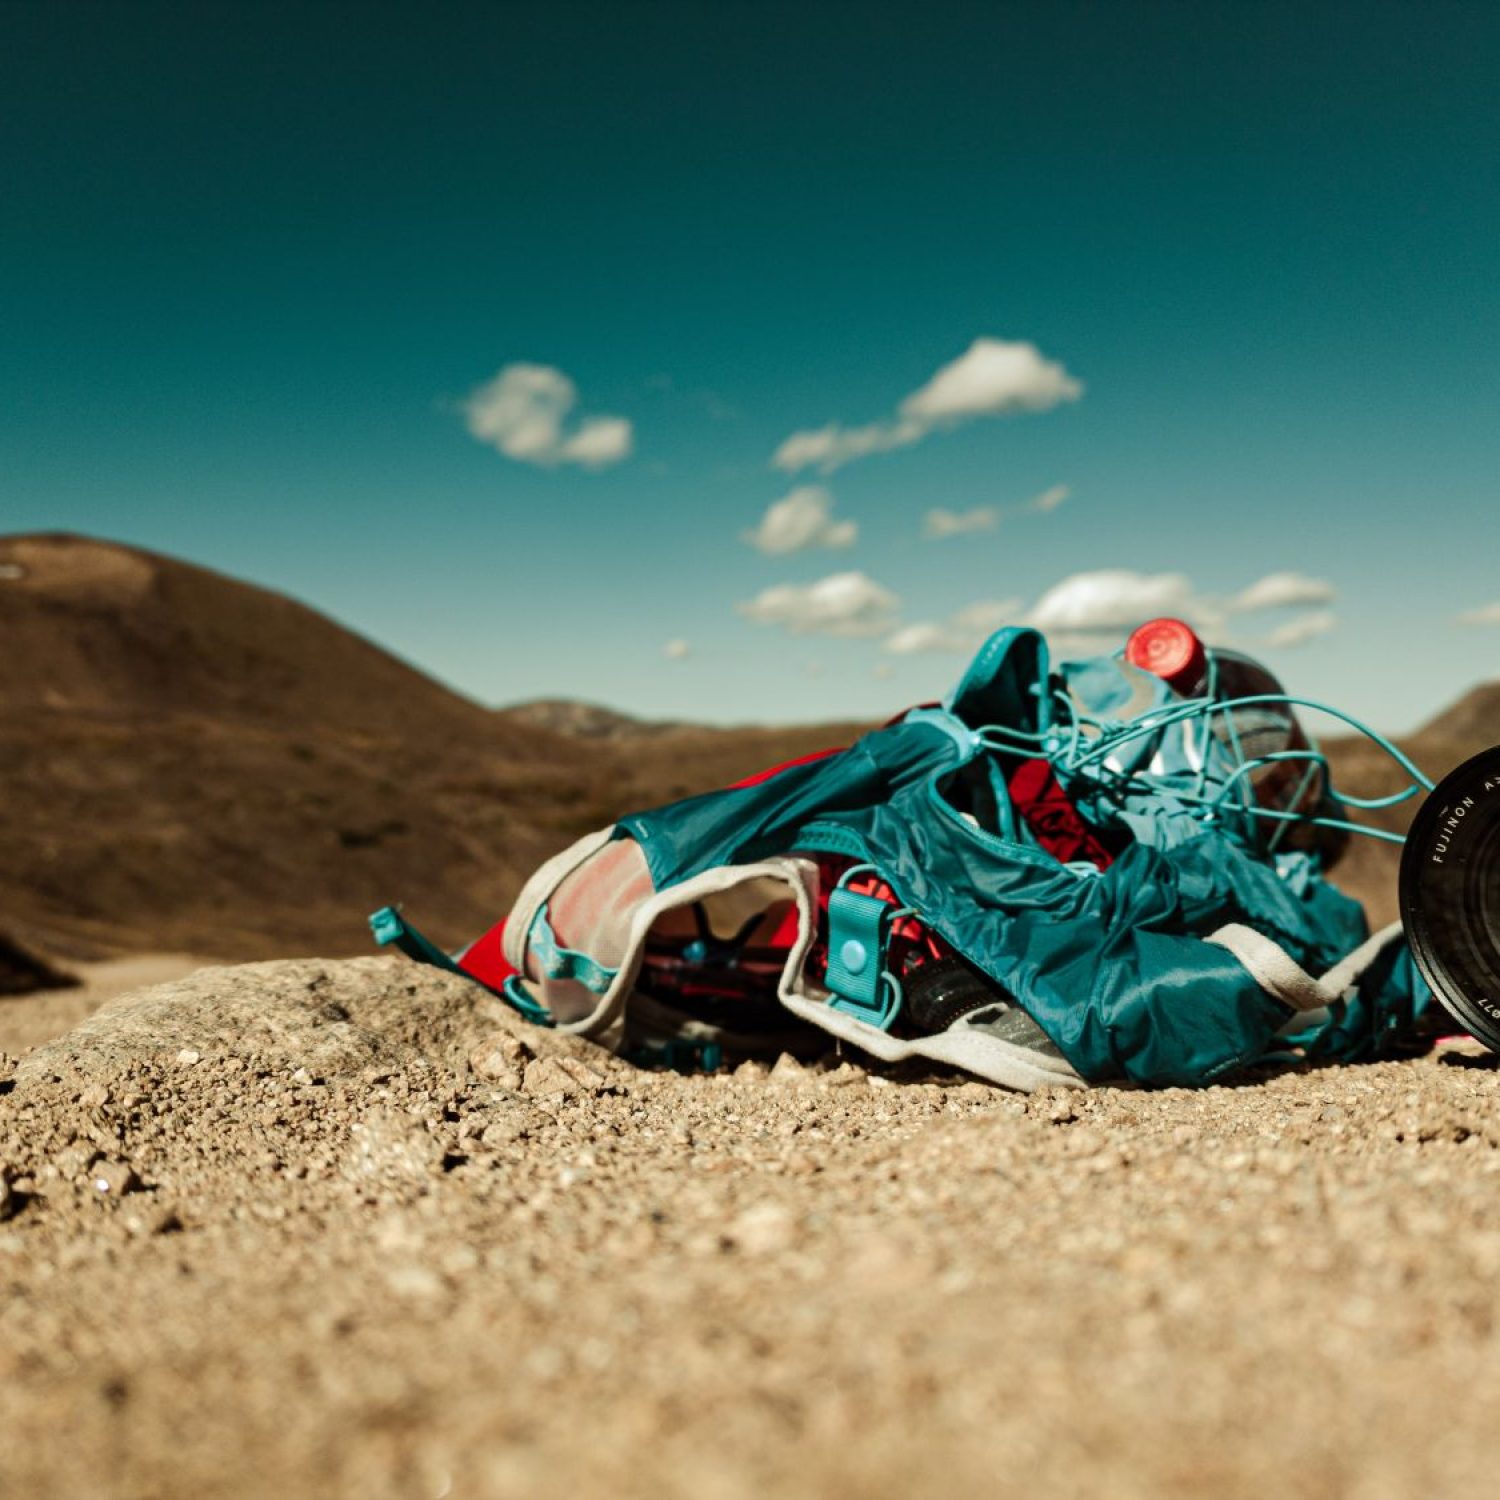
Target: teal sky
<point x="255" y="260"/>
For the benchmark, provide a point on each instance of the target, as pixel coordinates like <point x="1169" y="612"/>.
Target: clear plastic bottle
<point x="1172" y="650"/>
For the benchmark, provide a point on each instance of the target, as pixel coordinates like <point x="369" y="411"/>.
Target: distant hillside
<point x="191" y="762"/>
<point x="583" y="721"/>
<point x="90" y="627"/>
<point x="1475" y="717"/>
<point x="1370" y="868"/>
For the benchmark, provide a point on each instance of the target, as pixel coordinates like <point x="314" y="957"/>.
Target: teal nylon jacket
<point x="1111" y="964"/>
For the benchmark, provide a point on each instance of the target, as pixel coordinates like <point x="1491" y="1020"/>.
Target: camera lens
<point x="1450" y="894"/>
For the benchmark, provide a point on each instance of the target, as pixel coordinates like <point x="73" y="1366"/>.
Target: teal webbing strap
<point x="392" y="930"/>
<point x="558" y="962"/>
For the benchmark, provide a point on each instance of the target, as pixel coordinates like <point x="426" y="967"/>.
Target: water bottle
<point x="1172" y="650"/>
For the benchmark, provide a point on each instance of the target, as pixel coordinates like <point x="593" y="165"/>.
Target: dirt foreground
<point x="347" y="1229"/>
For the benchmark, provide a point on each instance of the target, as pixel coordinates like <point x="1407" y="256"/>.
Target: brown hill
<point x="1475" y="718"/>
<point x="190" y="762"/>
<point x="91" y="627"/>
<point x="1370" y="869"/>
<point x="584" y="721"/>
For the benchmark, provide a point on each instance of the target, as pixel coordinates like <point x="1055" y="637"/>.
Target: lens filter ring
<point x="1450" y="894"/>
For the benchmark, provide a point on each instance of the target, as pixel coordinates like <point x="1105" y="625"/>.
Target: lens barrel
<point x="1450" y="894"/>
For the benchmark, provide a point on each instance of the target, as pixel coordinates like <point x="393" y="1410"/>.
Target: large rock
<point x="334" y="1018"/>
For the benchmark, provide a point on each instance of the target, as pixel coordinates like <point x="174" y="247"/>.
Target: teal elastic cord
<point x="1079" y="743"/>
<point x="557" y="962"/>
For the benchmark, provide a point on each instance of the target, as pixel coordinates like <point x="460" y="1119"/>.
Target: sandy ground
<point x="345" y="1229"/>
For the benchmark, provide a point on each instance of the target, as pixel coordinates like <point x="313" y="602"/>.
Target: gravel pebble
<point x="377" y="1242"/>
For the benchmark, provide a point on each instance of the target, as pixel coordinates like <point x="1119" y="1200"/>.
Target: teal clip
<point x="858" y="927"/>
<point x="392" y="930"/>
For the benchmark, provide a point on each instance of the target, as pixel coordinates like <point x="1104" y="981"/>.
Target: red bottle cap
<point x="1171" y="650"/>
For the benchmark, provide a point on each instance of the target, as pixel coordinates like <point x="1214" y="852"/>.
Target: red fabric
<point x="1039" y="798"/>
<point x="786" y="765"/>
<point x="486" y="961"/>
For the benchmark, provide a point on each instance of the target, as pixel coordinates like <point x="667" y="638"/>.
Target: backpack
<point x="1055" y="876"/>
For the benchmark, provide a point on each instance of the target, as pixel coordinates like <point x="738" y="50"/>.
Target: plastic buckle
<point x="857" y="929"/>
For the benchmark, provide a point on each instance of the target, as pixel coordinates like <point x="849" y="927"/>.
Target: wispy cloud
<point x="1049" y="500"/>
<point x="1282" y="591"/>
<point x="844" y="604"/>
<point x="1302" y="629"/>
<point x="1486" y="614"/>
<point x="940" y="524"/>
<point x="992" y="378"/>
<point x="678" y="650"/>
<point x="523" y="412"/>
<point x="799" y="521"/>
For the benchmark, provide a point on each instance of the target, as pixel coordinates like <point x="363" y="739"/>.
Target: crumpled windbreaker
<point x="1192" y="954"/>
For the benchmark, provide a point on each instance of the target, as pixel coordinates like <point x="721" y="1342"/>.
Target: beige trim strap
<point x="1281" y="977"/>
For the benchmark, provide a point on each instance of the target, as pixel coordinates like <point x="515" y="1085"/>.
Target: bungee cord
<point x="1081" y="746"/>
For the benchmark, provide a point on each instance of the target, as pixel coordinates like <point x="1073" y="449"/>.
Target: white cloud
<point x="1486" y="614"/>
<point x="522" y="412"/>
<point x="923" y="636"/>
<point x="992" y="378"/>
<point x="1092" y="611"/>
<point x="678" y="650"/>
<point x="1304" y="628"/>
<point x="965" y="631"/>
<point x="801" y="520"/>
<point x="1115" y="599"/>
<point x="939" y="524"/>
<point x="847" y="604"/>
<point x="1282" y="591"/>
<point x="600" y="441"/>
